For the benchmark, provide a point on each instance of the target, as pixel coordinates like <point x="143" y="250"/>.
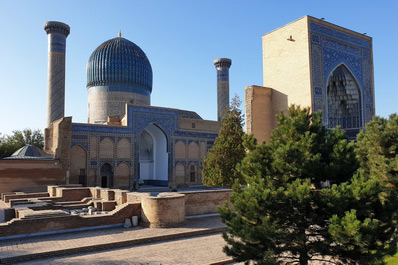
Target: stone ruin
<point x="66" y="208"/>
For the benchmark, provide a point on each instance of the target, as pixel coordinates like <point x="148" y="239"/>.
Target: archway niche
<point x="153" y="156"/>
<point x="343" y="100"/>
<point x="78" y="162"/>
<point x="106" y="174"/>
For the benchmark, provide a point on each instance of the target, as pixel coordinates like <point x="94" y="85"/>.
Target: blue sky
<point x="181" y="40"/>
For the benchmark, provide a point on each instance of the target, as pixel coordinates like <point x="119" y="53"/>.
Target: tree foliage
<point x="284" y="216"/>
<point x="377" y="149"/>
<point x="10" y="144"/>
<point x="219" y="166"/>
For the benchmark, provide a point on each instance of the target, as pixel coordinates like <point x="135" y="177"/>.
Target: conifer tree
<point x="284" y="216"/>
<point x="377" y="149"/>
<point x="219" y="166"/>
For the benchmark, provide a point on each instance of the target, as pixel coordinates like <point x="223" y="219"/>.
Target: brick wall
<point x="205" y="202"/>
<point x="30" y="175"/>
<point x="28" y="226"/>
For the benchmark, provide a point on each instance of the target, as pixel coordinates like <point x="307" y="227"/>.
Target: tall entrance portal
<point x="343" y="100"/>
<point x="153" y="156"/>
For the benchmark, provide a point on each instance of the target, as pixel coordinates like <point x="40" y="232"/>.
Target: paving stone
<point x="101" y="239"/>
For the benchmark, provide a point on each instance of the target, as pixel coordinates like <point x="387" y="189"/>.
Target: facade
<point x="316" y="64"/>
<point x="126" y="141"/>
<point x="309" y="62"/>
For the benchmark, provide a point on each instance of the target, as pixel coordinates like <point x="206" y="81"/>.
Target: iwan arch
<point x="316" y="64"/>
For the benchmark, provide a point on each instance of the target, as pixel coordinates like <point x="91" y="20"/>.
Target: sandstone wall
<point x="196" y="125"/>
<point x="286" y="62"/>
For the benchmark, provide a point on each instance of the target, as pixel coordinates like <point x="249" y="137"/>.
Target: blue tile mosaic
<point x="119" y="61"/>
<point x="82" y="144"/>
<point x="338" y="35"/>
<point x="138" y="118"/>
<point x="79" y="137"/>
<point x="331" y="48"/>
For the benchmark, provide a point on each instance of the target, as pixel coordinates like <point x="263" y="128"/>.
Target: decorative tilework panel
<point x="331" y="48"/>
<point x="84" y="145"/>
<point x="338" y="35"/>
<point x="77" y="136"/>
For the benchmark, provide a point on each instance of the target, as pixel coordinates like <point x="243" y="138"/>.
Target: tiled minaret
<point x="57" y="33"/>
<point x="222" y="65"/>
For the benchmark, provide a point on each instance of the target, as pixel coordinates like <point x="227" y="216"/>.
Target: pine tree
<point x="227" y="151"/>
<point x="377" y="149"/>
<point x="284" y="216"/>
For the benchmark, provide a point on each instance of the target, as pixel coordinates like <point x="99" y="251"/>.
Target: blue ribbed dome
<point x="119" y="61"/>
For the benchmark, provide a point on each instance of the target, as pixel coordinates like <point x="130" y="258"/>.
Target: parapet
<point x="56" y="27"/>
<point x="222" y="62"/>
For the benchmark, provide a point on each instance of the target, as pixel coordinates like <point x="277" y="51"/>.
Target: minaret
<point x="222" y="65"/>
<point x="57" y="33"/>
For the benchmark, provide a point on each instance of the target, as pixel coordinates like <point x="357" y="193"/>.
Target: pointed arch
<point x="106" y="148"/>
<point x="106" y="175"/>
<point x="153" y="156"/>
<point x="179" y="174"/>
<point x="180" y="150"/>
<point x="123" y="148"/>
<point x="193" y="173"/>
<point x="78" y="165"/>
<point x="193" y="151"/>
<point x="122" y="176"/>
<point x="344" y="99"/>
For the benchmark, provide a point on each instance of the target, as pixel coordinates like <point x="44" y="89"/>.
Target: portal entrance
<point x="344" y="100"/>
<point x="153" y="156"/>
<point x="106" y="174"/>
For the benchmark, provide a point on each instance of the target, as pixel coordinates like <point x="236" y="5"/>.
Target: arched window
<point x="192" y="173"/>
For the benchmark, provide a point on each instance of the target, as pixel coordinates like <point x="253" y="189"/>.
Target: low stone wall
<point x="52" y="189"/>
<point x="7" y="197"/>
<point x="206" y="201"/>
<point x="164" y="210"/>
<point x="107" y="194"/>
<point x="29" y="226"/>
<point x="120" y="196"/>
<point x="167" y="209"/>
<point x="72" y="194"/>
<point x="29" y="175"/>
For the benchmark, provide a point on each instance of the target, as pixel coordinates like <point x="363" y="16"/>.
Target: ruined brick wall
<point x="30" y="175"/>
<point x="28" y="226"/>
<point x="205" y="202"/>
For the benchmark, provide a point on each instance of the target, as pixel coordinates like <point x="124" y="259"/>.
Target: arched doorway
<point x="153" y="156"/>
<point x="344" y="100"/>
<point x="106" y="173"/>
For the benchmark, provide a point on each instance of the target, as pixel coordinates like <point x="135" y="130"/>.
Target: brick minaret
<point x="57" y="33"/>
<point x="222" y="65"/>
